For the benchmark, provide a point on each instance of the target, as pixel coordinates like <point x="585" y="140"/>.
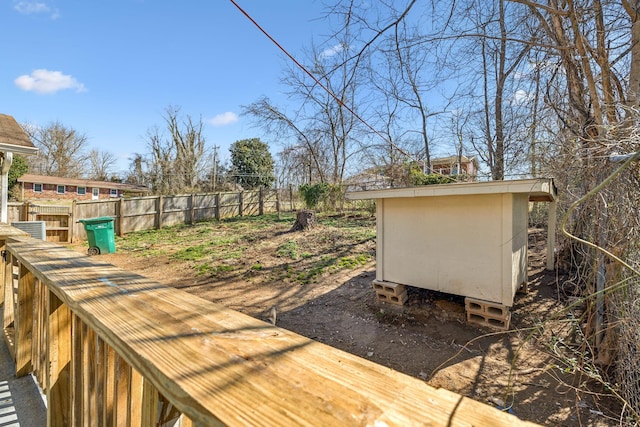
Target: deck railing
<point x="112" y="348"/>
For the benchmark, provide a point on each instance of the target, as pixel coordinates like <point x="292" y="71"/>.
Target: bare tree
<point x="279" y="123"/>
<point x="61" y="150"/>
<point x="160" y="175"/>
<point x="325" y="122"/>
<point x="175" y="159"/>
<point x="136" y="174"/>
<point x="189" y="144"/>
<point x="101" y="164"/>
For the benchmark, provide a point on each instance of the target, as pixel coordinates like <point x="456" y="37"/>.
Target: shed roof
<point x="539" y="190"/>
<point x="13" y="138"/>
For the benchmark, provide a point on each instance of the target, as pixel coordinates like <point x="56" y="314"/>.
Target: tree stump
<point x="304" y="219"/>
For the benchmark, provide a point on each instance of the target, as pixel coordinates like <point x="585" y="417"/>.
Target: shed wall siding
<point x="461" y="245"/>
<point x="520" y="241"/>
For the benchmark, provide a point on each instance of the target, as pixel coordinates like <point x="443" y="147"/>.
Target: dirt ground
<point x="428" y="337"/>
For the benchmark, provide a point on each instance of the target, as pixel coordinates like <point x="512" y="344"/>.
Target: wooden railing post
<point x="76" y="371"/>
<point x="135" y="399"/>
<point x="58" y="388"/>
<point x="5" y="256"/>
<point x="24" y="321"/>
<point x="260" y="201"/>
<point x="88" y="373"/>
<point x="122" y="392"/>
<point x="9" y="306"/>
<point x="240" y="202"/>
<point x="39" y="333"/>
<point x="110" y="381"/>
<point x="7" y="288"/>
<point x="150" y="405"/>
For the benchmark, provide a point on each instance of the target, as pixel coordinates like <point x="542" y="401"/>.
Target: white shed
<point x="467" y="239"/>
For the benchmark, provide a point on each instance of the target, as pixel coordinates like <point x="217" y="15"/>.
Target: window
<point x="113" y="192"/>
<point x="81" y="191"/>
<point x="37" y="188"/>
<point x="60" y="189"/>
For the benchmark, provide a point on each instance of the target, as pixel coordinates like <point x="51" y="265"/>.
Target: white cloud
<point x="521" y="96"/>
<point x="327" y="53"/>
<point x="224" y="119"/>
<point x="31" y="7"/>
<point x="46" y="82"/>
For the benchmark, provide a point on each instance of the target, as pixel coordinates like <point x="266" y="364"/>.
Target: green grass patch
<point x="351" y="262"/>
<point x="288" y="250"/>
<point x="242" y="245"/>
<point x="214" y="270"/>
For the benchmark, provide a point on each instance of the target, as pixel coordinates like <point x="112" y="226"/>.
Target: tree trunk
<point x="304" y="219"/>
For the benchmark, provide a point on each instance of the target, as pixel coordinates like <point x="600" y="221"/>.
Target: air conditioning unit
<point x="36" y="229"/>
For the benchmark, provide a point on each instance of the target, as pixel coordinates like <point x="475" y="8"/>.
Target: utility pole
<point x="215" y="166"/>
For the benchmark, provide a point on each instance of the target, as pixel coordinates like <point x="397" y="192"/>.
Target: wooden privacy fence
<point x="57" y="218"/>
<point x="154" y="212"/>
<point x="144" y="213"/>
<point x="113" y="348"/>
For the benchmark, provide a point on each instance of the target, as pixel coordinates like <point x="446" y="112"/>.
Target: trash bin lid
<point x="96" y="220"/>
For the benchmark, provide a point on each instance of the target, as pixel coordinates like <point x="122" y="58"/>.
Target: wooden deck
<point x="111" y="347"/>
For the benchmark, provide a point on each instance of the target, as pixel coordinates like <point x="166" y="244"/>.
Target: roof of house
<point x="55" y="180"/>
<point x="13" y="138"/>
<point x="452" y="160"/>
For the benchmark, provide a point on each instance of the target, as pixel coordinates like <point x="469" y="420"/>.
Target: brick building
<point x="454" y="165"/>
<point x="56" y="188"/>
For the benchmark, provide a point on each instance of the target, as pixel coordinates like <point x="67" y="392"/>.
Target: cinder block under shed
<point x="467" y="239"/>
<point x="394" y="293"/>
<point x="485" y="313"/>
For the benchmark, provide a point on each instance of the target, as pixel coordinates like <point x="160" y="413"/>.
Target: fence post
<point x="159" y="213"/>
<point x="260" y="201"/>
<point x="192" y="211"/>
<point x="24" y="215"/>
<point x="120" y="215"/>
<point x="240" y="202"/>
<point x="217" y="202"/>
<point x="72" y="221"/>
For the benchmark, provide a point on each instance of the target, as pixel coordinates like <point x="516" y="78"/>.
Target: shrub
<point x="313" y="194"/>
<point x="418" y="177"/>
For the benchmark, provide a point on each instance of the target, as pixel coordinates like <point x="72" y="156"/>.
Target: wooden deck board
<point x="221" y="367"/>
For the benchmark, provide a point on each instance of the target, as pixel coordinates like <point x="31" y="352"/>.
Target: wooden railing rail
<point x="113" y="348"/>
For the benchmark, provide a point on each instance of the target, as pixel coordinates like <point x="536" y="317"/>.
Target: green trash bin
<point x="100" y="235"/>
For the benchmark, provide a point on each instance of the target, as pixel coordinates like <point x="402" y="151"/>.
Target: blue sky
<point x="110" y="69"/>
